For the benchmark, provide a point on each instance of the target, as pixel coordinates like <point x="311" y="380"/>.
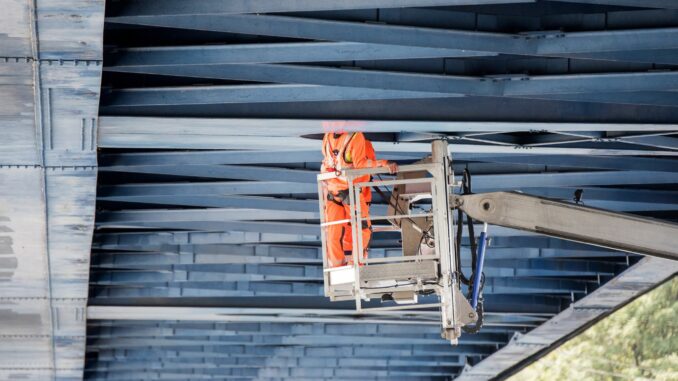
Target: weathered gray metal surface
<point x="50" y="70"/>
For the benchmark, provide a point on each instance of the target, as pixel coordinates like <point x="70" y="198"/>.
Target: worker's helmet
<point x="341" y="126"/>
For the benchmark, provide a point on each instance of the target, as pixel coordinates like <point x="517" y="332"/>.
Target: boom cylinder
<point x="478" y="271"/>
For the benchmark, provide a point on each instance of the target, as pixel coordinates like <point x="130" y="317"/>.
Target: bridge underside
<point x="212" y="115"/>
<point x="205" y="261"/>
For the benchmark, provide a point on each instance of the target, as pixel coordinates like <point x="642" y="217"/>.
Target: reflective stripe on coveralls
<point x="343" y="152"/>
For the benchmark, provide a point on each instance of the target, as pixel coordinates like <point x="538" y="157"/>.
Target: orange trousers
<point x="339" y="237"/>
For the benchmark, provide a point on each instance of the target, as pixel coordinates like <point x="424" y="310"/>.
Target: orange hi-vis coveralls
<point x="346" y="151"/>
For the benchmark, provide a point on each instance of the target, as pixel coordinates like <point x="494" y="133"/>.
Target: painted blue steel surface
<point x="212" y="114"/>
<point x="257" y="243"/>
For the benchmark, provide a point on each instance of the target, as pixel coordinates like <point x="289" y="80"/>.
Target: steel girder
<point x="140" y="58"/>
<point x="434" y="55"/>
<point x="668" y="4"/>
<point x="641" y="88"/>
<point x="212" y="222"/>
<point x="471" y="141"/>
<point x="314" y="29"/>
<point x="177" y="7"/>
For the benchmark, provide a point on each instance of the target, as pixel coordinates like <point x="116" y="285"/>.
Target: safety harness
<point x="335" y="157"/>
<point x="336" y="161"/>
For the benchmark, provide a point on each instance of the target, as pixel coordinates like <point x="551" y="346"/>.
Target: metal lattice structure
<point x="205" y="262"/>
<point x="218" y="212"/>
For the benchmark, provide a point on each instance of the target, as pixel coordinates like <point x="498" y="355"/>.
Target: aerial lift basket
<point x="419" y="209"/>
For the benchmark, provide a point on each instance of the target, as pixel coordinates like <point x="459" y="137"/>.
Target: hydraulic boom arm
<point x="618" y="231"/>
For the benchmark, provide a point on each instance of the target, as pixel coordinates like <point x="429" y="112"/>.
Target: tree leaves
<point x="638" y="342"/>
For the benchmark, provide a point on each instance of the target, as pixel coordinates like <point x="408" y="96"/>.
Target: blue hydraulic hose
<point x="482" y="244"/>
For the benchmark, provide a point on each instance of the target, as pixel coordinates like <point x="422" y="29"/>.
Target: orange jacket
<point x="345" y="151"/>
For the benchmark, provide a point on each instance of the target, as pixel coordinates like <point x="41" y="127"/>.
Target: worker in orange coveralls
<point x="343" y="150"/>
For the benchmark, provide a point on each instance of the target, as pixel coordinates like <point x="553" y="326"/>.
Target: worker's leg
<point x="365" y="195"/>
<point x="334" y="233"/>
<point x="366" y="228"/>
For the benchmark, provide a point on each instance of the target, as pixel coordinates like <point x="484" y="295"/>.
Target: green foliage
<point x="638" y="342"/>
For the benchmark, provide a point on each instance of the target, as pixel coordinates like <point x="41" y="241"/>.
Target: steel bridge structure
<point x="158" y="161"/>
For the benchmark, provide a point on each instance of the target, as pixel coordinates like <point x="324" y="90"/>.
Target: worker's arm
<point x="323" y="164"/>
<point x="358" y="154"/>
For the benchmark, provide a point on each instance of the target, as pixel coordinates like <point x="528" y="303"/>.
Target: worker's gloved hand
<point x="392" y="167"/>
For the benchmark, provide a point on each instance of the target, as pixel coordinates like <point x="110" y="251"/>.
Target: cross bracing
<point x="206" y="262"/>
<point x="213" y="232"/>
